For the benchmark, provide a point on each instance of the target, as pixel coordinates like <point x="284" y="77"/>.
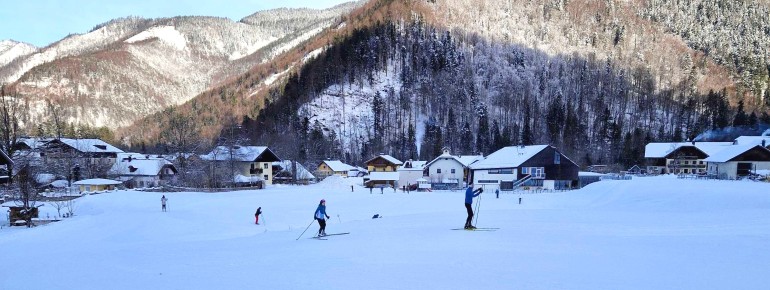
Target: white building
<point x="410" y="172"/>
<point x="536" y="165"/>
<point x="251" y="163"/>
<point x="140" y="170"/>
<point x="448" y="169"/>
<point x="737" y="161"/>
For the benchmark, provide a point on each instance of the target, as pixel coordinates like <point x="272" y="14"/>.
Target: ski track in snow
<point x="647" y="233"/>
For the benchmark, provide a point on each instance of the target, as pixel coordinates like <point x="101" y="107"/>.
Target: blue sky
<point x="41" y="22"/>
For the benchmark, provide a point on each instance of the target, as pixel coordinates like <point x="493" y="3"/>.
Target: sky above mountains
<point x="42" y="22"/>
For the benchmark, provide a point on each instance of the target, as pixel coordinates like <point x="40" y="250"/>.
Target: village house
<point x="285" y="173"/>
<point x="383" y="163"/>
<point x="537" y="165"/>
<point x="410" y="173"/>
<point x="450" y="171"/>
<point x="249" y="164"/>
<point x="96" y="185"/>
<point x="69" y="158"/>
<point x="333" y="167"/>
<point x="141" y="171"/>
<point x="737" y="161"/>
<point x="680" y="157"/>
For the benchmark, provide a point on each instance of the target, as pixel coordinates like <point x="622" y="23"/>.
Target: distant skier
<point x="163" y="200"/>
<point x="321" y="216"/>
<point x="256" y="215"/>
<point x="497" y="193"/>
<point x="469" y="195"/>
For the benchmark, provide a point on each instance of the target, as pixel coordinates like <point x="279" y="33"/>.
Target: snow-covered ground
<point x="647" y="233"/>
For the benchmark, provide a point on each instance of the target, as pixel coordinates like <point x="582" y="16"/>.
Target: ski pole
<point x="478" y="206"/>
<point x="303" y="232"/>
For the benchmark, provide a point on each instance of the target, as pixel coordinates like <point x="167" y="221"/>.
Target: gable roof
<point x="416" y="166"/>
<point x="388" y="158"/>
<point x="336" y="165"/>
<point x="464" y="160"/>
<point x="134" y="164"/>
<point x="96" y="181"/>
<point x="302" y="172"/>
<point x="509" y="157"/>
<point x="241" y="153"/>
<point x="755" y="140"/>
<point x="661" y="150"/>
<point x="88" y="145"/>
<point x="733" y="151"/>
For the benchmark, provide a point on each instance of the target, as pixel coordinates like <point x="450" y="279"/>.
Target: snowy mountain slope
<point x="129" y="68"/>
<point x="10" y="50"/>
<point x="646" y="233"/>
<point x="612" y="30"/>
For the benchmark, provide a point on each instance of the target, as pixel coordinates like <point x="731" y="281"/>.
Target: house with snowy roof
<point x="536" y="165"/>
<point x="140" y="170"/>
<point x="753" y="140"/>
<point x="383" y="163"/>
<point x="680" y="157"/>
<point x="410" y="172"/>
<point x="333" y="167"/>
<point x="96" y="185"/>
<point x="285" y="172"/>
<point x="248" y="164"/>
<point x="450" y="171"/>
<point x="737" y="161"/>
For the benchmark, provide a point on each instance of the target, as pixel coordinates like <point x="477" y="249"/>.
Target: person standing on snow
<point x="256" y="215"/>
<point x="469" y="195"/>
<point x="321" y="216"/>
<point x="163" y="200"/>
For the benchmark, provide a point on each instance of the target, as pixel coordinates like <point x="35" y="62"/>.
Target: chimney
<point x="763" y="143"/>
<point x="693" y="142"/>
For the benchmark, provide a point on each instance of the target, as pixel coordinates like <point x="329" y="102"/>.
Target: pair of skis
<point x="324" y="237"/>
<point x="478" y="229"/>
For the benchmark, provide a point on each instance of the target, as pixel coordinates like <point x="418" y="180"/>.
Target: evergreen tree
<point x="741" y="119"/>
<point x="411" y="143"/>
<point x="555" y="121"/>
<point x="497" y="138"/>
<point x="466" y="141"/>
<point x="482" y="136"/>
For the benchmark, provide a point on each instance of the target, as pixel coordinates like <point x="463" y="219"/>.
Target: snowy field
<point x="647" y="233"/>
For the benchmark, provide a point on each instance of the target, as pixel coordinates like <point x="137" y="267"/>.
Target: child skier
<point x="256" y="215"/>
<point x="321" y="216"/>
<point x="163" y="200"/>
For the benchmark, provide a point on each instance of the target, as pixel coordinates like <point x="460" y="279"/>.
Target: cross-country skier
<point x="256" y="215"/>
<point x="321" y="216"/>
<point x="163" y="200"/>
<point x="469" y="195"/>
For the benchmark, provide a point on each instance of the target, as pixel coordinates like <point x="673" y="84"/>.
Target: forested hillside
<point x="409" y="88"/>
<point x="598" y="79"/>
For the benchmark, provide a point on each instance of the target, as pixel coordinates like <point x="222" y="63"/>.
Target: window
<point x="686" y="162"/>
<point x="487" y="181"/>
<point x="266" y="177"/>
<point x="524" y="170"/>
<point x="556" y="158"/>
<point x="453" y="171"/>
<point x="438" y="170"/>
<point x="264" y="166"/>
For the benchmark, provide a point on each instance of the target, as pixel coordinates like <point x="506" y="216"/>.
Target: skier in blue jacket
<point x="321" y="216"/>
<point x="469" y="195"/>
